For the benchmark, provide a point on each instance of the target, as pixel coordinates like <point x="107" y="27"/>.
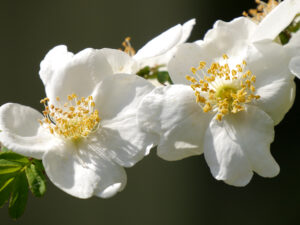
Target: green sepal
<point x="38" y="164"/>
<point x="9" y="166"/>
<point x="36" y="180"/>
<point x="144" y="71"/>
<point x="19" y="196"/>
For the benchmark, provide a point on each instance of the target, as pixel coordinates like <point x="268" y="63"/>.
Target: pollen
<point x="128" y="47"/>
<point x="261" y="10"/>
<point x="221" y="88"/>
<point x="73" y="120"/>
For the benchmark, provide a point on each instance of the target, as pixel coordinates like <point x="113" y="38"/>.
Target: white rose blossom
<point x="88" y="131"/>
<point x="229" y="93"/>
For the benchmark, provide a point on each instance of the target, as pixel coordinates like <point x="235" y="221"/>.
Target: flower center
<point x="222" y="89"/>
<point x="74" y="120"/>
<point x="261" y="11"/>
<point x="128" y="47"/>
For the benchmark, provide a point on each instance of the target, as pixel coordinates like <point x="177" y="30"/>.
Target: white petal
<point x="80" y="172"/>
<point x="21" y="131"/>
<point x="187" y="28"/>
<point x="188" y="55"/>
<point x="276" y="98"/>
<point x="172" y="113"/>
<point x="120" y="93"/>
<point x="268" y="61"/>
<point x="124" y="142"/>
<point x="79" y="75"/>
<point x="119" y="61"/>
<point x="160" y="44"/>
<point x="277" y="20"/>
<point x="184" y="140"/>
<point x="165" y="41"/>
<point x="117" y="100"/>
<point x="163" y="59"/>
<point x="295" y="66"/>
<point x="55" y="58"/>
<point x="240" y="144"/>
<point x="231" y="38"/>
<point x="274" y="82"/>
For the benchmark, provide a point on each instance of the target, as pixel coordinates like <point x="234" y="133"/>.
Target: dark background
<point x="158" y="192"/>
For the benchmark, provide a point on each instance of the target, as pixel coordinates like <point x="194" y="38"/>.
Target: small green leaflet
<point x="286" y="34"/>
<point x="17" y="175"/>
<point x="154" y="73"/>
<point x="36" y="180"/>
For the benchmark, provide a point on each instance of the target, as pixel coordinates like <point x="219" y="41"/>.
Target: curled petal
<point x="22" y="133"/>
<point x="172" y="113"/>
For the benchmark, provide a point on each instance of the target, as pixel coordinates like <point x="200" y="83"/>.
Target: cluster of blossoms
<point x="229" y="91"/>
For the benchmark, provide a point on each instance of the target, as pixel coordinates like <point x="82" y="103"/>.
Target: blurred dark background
<point x="158" y="192"/>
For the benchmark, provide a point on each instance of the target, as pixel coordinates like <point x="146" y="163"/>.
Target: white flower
<point x="277" y="20"/>
<point x="227" y="106"/>
<point x="89" y="129"/>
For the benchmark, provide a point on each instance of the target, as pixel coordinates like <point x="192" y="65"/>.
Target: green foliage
<point x="286" y="34"/>
<point x="19" y="195"/>
<point x="154" y="73"/>
<point x="17" y="175"/>
<point x="36" y="180"/>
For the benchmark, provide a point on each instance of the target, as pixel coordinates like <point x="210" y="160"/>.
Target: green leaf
<point x="38" y="164"/>
<point x="36" y="180"/>
<point x="9" y="166"/>
<point x="11" y="156"/>
<point x="6" y="189"/>
<point x="18" y="197"/>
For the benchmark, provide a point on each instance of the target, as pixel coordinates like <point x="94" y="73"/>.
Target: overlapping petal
<point x="119" y="61"/>
<point x="118" y="98"/>
<point x="172" y="113"/>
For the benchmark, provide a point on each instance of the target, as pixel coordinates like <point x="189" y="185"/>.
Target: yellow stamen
<point x="225" y="90"/>
<point x="128" y="47"/>
<point x="261" y="11"/>
<point x="74" y="122"/>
